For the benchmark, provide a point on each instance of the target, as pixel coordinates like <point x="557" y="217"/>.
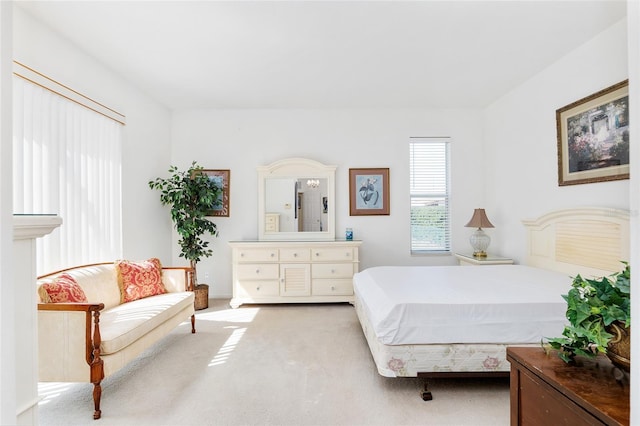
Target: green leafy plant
<point x="592" y="306"/>
<point x="190" y="194"/>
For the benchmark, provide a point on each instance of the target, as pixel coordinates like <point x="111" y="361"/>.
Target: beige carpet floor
<point x="271" y="365"/>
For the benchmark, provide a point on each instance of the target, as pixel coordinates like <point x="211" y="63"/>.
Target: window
<point x="429" y="192"/>
<point x="66" y="161"/>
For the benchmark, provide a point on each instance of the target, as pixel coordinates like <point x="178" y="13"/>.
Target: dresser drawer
<point x="257" y="255"/>
<point x="295" y="255"/>
<point x="332" y="270"/>
<point x="259" y="271"/>
<point x="331" y="254"/>
<point x="258" y="288"/>
<point x="272" y="222"/>
<point x="270" y="219"/>
<point x="270" y="227"/>
<point x="327" y="287"/>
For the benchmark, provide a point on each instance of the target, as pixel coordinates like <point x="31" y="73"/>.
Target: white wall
<point x="521" y="144"/>
<point x="633" y="16"/>
<point x="8" y="400"/>
<point x="146" y="144"/>
<point x="282" y="200"/>
<point x="242" y="140"/>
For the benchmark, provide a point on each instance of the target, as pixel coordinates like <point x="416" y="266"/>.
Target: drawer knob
<point x="333" y="271"/>
<point x="317" y="254"/>
<point x="258" y="288"/>
<point x="333" y="288"/>
<point x="272" y="254"/>
<point x="241" y="254"/>
<point x="295" y="254"/>
<point x="257" y="271"/>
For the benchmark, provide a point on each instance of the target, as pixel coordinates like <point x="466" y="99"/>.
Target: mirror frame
<point x="297" y="168"/>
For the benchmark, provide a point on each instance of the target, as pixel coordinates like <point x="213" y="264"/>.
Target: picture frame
<point x="221" y="207"/>
<point x="593" y="137"/>
<point x="369" y="191"/>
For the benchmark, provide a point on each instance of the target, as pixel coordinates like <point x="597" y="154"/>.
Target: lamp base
<point x="480" y="242"/>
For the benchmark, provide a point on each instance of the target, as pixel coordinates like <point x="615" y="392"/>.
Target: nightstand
<point x="469" y="260"/>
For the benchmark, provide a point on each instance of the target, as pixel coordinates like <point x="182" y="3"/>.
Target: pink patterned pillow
<point x="138" y="280"/>
<point x="63" y="289"/>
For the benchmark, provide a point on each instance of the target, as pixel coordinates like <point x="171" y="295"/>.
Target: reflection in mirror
<point x="296" y="200"/>
<point x="296" y="205"/>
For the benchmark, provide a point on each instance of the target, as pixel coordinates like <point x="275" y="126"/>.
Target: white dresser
<point x="293" y="271"/>
<point x="272" y="222"/>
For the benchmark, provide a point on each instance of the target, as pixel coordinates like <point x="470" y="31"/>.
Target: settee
<point x="94" y="319"/>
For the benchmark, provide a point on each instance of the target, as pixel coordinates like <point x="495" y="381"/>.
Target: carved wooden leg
<point x="193" y="323"/>
<point x="97" y="393"/>
<point x="96" y="366"/>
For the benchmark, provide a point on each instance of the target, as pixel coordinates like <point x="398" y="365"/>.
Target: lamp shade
<point x="479" y="220"/>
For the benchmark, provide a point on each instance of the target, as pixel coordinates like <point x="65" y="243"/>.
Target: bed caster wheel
<point x="426" y="395"/>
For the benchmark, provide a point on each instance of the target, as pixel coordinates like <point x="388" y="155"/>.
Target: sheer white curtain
<point x="67" y="161"/>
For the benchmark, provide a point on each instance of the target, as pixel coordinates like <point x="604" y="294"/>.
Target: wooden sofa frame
<point x="92" y="333"/>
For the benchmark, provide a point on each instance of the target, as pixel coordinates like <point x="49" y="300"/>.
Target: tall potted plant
<point x="190" y="194"/>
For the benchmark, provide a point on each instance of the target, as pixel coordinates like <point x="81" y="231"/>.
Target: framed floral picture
<point x="221" y="206"/>
<point x="593" y="137"/>
<point x="368" y="192"/>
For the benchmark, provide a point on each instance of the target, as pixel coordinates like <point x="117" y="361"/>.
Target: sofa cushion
<point x="138" y="280"/>
<point x="62" y="289"/>
<point x="122" y="325"/>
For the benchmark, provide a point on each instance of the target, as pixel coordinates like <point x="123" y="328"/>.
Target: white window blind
<point x="67" y="161"/>
<point x="429" y="192"/>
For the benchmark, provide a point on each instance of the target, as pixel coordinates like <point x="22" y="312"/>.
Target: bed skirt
<point x="409" y="360"/>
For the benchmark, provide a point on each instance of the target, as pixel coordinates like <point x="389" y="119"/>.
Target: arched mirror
<point x="296" y="200"/>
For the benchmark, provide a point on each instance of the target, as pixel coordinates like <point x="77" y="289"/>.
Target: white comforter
<point x="511" y="304"/>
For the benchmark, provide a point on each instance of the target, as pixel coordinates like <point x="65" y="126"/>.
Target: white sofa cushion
<point x="124" y="324"/>
<point x="99" y="282"/>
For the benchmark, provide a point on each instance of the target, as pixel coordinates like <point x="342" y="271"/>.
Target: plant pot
<point x="619" y="348"/>
<point x="202" y="297"/>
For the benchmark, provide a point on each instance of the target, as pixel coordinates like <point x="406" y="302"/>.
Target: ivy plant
<point x="593" y="305"/>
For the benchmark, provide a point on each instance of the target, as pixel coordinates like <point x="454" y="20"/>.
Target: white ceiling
<point x="327" y="54"/>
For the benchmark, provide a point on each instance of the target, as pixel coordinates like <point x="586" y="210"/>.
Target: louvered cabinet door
<point x="295" y="279"/>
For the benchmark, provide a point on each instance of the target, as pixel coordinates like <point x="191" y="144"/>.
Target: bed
<point x="433" y="321"/>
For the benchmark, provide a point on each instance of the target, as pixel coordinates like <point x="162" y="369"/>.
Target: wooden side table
<point x="547" y="391"/>
<point x="469" y="260"/>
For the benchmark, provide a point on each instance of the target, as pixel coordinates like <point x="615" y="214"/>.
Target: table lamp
<point x="479" y="240"/>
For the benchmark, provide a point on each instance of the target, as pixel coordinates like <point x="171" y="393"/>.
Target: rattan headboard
<point x="588" y="241"/>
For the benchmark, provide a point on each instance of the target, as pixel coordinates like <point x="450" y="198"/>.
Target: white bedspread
<point x="511" y="304"/>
